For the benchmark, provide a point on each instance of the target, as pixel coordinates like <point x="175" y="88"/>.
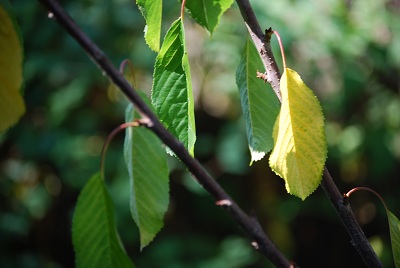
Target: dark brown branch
<point x="358" y="239"/>
<point x="249" y="224"/>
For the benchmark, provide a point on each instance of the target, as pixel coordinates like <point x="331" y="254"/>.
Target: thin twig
<point x="359" y="241"/>
<point x="249" y="224"/>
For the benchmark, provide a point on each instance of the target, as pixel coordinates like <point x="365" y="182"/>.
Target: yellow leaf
<point x="11" y="102"/>
<point x="299" y="137"/>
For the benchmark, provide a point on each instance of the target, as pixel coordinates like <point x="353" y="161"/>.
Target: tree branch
<point x="262" y="44"/>
<point x="358" y="239"/>
<point x="261" y="41"/>
<point x="250" y="225"/>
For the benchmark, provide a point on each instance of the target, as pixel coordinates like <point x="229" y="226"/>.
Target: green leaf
<point x="300" y="145"/>
<point x="12" y="105"/>
<point x="207" y="12"/>
<point x="172" y="95"/>
<point x="152" y="12"/>
<point x="394" y="226"/>
<point x="259" y="103"/>
<point x="146" y="161"/>
<point x="94" y="235"/>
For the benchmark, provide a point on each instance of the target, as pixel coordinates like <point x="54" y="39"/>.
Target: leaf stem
<point x="281" y="47"/>
<point x="347" y="195"/>
<point x="183" y="9"/>
<point x="108" y="141"/>
<point x="131" y="69"/>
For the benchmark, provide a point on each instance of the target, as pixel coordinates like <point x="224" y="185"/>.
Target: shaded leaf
<point x="12" y="106"/>
<point x="172" y="95"/>
<point x="259" y="103"/>
<point x="300" y="145"/>
<point x="208" y="12"/>
<point x="394" y="226"/>
<point x="146" y="161"/>
<point x="94" y="235"/>
<point x="152" y="12"/>
<point x="127" y="69"/>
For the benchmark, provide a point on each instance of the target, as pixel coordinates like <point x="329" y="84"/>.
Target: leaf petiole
<point x="183" y="9"/>
<point x="131" y="69"/>
<point x="347" y="195"/>
<point x="108" y="141"/>
<point x="281" y="47"/>
<point x="394" y="224"/>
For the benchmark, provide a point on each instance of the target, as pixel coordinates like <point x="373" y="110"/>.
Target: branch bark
<point x="262" y="44"/>
<point x="358" y="238"/>
<point x="250" y="225"/>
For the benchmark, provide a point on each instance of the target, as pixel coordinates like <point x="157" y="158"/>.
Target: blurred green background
<point x="348" y="52"/>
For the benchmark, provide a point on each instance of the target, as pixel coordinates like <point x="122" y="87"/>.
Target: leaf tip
<point x="256" y="156"/>
<point x="304" y="193"/>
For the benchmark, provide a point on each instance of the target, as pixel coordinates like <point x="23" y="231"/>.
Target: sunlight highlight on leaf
<point x="300" y="145"/>
<point x="152" y="12"/>
<point x="12" y="105"/>
<point x="172" y="95"/>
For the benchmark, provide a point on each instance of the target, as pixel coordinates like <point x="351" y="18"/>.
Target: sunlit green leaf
<point x="152" y="12"/>
<point x="146" y="161"/>
<point x="300" y="145"/>
<point x="208" y="12"/>
<point x="94" y="235"/>
<point x="172" y="95"/>
<point x="259" y="103"/>
<point x="11" y="103"/>
<point x="394" y="225"/>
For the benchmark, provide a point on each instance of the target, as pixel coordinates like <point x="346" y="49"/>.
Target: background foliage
<point x="347" y="51"/>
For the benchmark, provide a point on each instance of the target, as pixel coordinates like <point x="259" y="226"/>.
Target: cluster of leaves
<point x="295" y="131"/>
<point x="172" y="99"/>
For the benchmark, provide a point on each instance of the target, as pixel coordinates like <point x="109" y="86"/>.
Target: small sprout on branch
<point x="268" y="33"/>
<point x="263" y="76"/>
<point x="224" y="202"/>
<point x="145" y="121"/>
<point x="345" y="199"/>
<point x="255" y="245"/>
